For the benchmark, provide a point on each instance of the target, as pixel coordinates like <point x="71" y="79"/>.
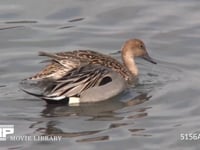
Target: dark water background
<point x="163" y="105"/>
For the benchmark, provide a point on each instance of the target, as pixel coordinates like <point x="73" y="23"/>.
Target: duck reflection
<point x="97" y="111"/>
<point x="103" y="111"/>
<point x="52" y="130"/>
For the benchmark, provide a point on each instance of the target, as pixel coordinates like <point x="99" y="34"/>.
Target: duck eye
<point x="142" y="46"/>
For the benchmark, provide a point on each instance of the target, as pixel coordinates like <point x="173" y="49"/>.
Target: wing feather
<point x="77" y="81"/>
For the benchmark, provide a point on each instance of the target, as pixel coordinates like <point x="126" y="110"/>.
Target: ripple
<point x="150" y="115"/>
<point x="76" y="19"/>
<point x="21" y="22"/>
<point x="10" y="27"/>
<point x="94" y="139"/>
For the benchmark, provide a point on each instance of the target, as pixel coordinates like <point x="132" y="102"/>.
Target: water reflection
<point x="52" y="130"/>
<point x="21" y="22"/>
<point x="76" y="19"/>
<point x="72" y="21"/>
<point x="138" y="132"/>
<point x="106" y="111"/>
<point x="10" y="27"/>
<point x="66" y="27"/>
<point x="99" y="138"/>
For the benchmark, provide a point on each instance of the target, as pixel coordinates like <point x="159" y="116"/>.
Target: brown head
<point x="135" y="48"/>
<point x="131" y="49"/>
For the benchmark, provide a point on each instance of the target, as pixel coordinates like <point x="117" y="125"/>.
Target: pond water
<point x="152" y="115"/>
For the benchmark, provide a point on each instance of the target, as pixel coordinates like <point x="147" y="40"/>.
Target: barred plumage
<point x="85" y="73"/>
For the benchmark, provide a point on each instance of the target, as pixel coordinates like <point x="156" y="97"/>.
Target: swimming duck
<point x="87" y="76"/>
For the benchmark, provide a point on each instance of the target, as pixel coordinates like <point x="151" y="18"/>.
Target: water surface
<point x="151" y="115"/>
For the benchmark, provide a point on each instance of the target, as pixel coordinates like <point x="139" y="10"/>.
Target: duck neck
<point x="129" y="62"/>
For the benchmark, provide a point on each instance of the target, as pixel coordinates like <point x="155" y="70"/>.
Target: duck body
<point x="78" y="58"/>
<point x="86" y="76"/>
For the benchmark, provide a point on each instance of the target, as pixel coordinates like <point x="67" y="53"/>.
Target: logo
<point x="6" y="130"/>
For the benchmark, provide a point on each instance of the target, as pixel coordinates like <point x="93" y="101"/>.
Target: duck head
<point x="136" y="48"/>
<point x="131" y="49"/>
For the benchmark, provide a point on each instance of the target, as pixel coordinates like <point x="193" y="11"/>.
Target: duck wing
<point x="76" y="81"/>
<point x="87" y="83"/>
<point x="69" y="60"/>
<point x="59" y="66"/>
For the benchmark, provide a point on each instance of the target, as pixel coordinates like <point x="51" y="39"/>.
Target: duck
<point x="86" y="76"/>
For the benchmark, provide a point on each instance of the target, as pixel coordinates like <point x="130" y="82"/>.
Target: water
<point x="152" y="115"/>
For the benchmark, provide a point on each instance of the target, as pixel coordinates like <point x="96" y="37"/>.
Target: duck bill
<point x="149" y="59"/>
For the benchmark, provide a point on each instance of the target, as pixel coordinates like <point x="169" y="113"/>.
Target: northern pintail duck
<point x="88" y="76"/>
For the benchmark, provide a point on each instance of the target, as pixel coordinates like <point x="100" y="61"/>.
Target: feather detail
<point x="75" y="82"/>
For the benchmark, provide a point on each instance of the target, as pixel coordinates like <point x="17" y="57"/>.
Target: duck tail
<point x="54" y="56"/>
